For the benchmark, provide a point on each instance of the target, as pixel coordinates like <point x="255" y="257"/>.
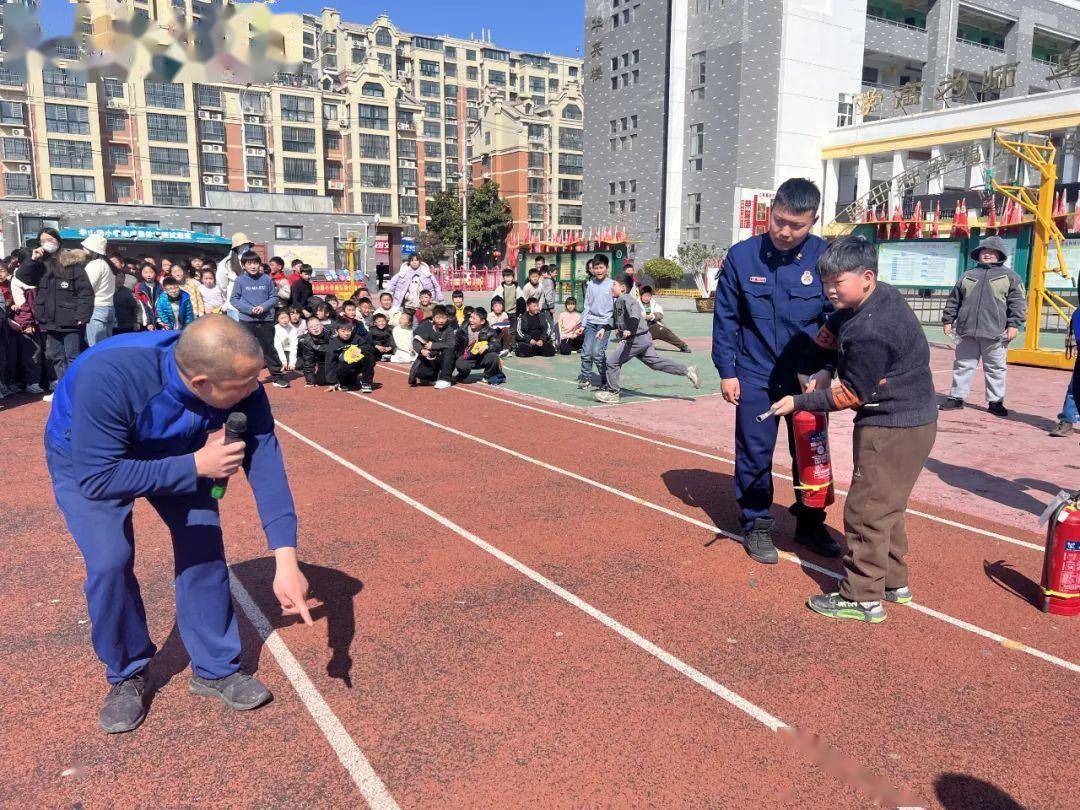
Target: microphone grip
<point x="235" y="428"/>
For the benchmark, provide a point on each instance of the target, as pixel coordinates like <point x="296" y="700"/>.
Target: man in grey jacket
<point x="630" y="324"/>
<point x="985" y="310"/>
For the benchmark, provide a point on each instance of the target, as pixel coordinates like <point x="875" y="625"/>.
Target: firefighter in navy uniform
<point x="769" y="305"/>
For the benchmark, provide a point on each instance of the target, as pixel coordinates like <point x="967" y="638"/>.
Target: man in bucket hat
<point x="103" y="280"/>
<point x="985" y="310"/>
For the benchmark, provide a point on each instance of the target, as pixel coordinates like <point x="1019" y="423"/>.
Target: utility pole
<point x="465" y="219"/>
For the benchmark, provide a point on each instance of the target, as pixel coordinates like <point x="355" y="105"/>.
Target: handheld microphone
<point x="235" y="429"/>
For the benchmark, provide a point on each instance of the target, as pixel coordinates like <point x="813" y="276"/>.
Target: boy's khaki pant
<point x="887" y="463"/>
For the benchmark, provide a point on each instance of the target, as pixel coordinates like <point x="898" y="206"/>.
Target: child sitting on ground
<point x="499" y="320"/>
<point x="347" y="312"/>
<point x="434" y="340"/>
<point x="985" y="309"/>
<point x="325" y="315"/>
<point x="382" y="337"/>
<point x="535" y="332"/>
<point x="402" y="335"/>
<point x="365" y="312"/>
<point x="350" y="356"/>
<point x="174" y="310"/>
<point x="571" y="332"/>
<point x="285" y="341"/>
<point x="477" y="348"/>
<point x="654" y="314"/>
<point x="312" y="352"/>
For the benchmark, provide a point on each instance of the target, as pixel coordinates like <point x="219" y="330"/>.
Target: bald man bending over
<point x="131" y="419"/>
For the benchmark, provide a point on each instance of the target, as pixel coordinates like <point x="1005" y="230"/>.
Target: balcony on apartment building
<point x="1047" y="47"/>
<point x="12" y="78"/>
<point x="981" y="38"/>
<point x="898" y="28"/>
<point x="882" y="79"/>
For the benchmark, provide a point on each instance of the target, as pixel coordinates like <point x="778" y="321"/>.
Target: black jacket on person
<point x="65" y="298"/>
<point x="336" y="366"/>
<point x="535" y="327"/>
<point x="461" y="346"/>
<point x="126" y="308"/>
<point x="311" y="351"/>
<point x="382" y="337"/>
<point x="300" y="293"/>
<point x="445" y="338"/>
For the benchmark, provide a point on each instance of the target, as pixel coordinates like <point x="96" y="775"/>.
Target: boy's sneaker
<point x="1062" y="429"/>
<point x="998" y="408"/>
<point x="900" y="596"/>
<point x="504" y="353"/>
<point x="47" y="398"/>
<point x="758" y="542"/>
<point x="441" y="384"/>
<point x="281" y="383"/>
<point x="124" y="708"/>
<point x="238" y="691"/>
<point x="951" y="404"/>
<point x="366" y="388"/>
<point x="694" y="377"/>
<point x="34" y="388"/>
<point x="686" y="350"/>
<point x="836" y="606"/>
<point x="495" y="379"/>
<point x="608" y="397"/>
<point x="584" y="384"/>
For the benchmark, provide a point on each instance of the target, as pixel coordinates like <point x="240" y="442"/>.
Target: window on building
<point x="208" y="96"/>
<point x="255" y="134"/>
<point x="375" y="146"/>
<point x="374" y="203"/>
<point x="429" y="89"/>
<point x="64" y="83"/>
<point x="374" y="116"/>
<point x="18" y="184"/>
<point x="215" y="163"/>
<point x="164" y="94"/>
<point x="123" y="188"/>
<point x="697" y="146"/>
<point x="71" y="188"/>
<point x="16" y="149"/>
<point x="168" y="128"/>
<point x="572" y="112"/>
<point x="408" y="177"/>
<point x="569" y="214"/>
<point x="432" y="170"/>
<point x="70" y="155"/>
<point x="332" y="140"/>
<point x="372" y="90"/>
<point x="611" y="188"/>
<point x="693" y="209"/>
<point x="172" y="162"/>
<point x="213" y="131"/>
<point x="429" y="68"/>
<point x="383" y="37"/>
<point x="112" y="88"/>
<point x="569" y="189"/>
<point x="212" y="228"/>
<point x="570" y="138"/>
<point x="333" y="171"/>
<point x="374" y="175"/>
<point x="450" y="93"/>
<point x="171" y="192"/>
<point x="536" y="160"/>
<point x="298" y="139"/>
<point x="298" y="108"/>
<point x="257" y="165"/>
<point x="330" y="112"/>
<point x="432" y="149"/>
<point x="570" y="163"/>
<point x="432" y="109"/>
<point x="405" y="149"/>
<point x="302" y="192"/>
<point x="288" y="233"/>
<point x="299" y="170"/>
<point x="497" y="78"/>
<point x="359" y="55"/>
<point x="697" y="75"/>
<point x="385" y="62"/>
<point x="12" y="112"/>
<point x="67" y="119"/>
<point x="432" y="129"/>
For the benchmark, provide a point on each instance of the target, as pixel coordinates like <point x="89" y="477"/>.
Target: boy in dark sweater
<point x="350" y="355"/>
<point x="535" y="332"/>
<point x="381" y="337"/>
<point x="879" y="353"/>
<point x="478" y="347"/>
<point x="434" y="339"/>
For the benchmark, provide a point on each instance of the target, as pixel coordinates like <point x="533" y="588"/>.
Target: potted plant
<point x="698" y="260"/>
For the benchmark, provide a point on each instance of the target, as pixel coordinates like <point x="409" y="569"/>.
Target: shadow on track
<point x="958" y="791"/>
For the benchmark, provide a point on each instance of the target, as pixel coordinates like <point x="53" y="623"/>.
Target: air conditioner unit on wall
<point x="18" y="133"/>
<point x="205" y="115"/>
<point x="257" y="182"/>
<point x="213" y="147"/>
<point x="23" y="168"/>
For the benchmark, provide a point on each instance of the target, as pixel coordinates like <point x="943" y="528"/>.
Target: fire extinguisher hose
<point x="814" y="487"/>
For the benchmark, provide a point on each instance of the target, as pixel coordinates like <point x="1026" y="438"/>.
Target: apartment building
<point x="535" y="152"/>
<point x="699" y="107"/>
<point x="163" y="102"/>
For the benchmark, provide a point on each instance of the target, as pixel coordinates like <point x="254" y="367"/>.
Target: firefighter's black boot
<point x="810" y="531"/>
<point x="758" y="542"/>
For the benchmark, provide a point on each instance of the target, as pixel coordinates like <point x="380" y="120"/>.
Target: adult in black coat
<point x="63" y="305"/>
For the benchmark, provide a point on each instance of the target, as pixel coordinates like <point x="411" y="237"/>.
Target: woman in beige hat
<point x="229" y="268"/>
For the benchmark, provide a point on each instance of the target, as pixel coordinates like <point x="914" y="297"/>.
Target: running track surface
<point x="527" y="610"/>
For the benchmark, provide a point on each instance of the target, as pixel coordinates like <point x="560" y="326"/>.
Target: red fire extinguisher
<point x="1061" y="565"/>
<point x="812" y="459"/>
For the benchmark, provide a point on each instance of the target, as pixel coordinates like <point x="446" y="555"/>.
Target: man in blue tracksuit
<point x="769" y="305"/>
<point x="131" y="419"/>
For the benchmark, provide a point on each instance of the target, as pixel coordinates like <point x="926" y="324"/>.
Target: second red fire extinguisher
<point x="812" y="459"/>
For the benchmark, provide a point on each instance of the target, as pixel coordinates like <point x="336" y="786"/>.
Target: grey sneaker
<point x="584" y="385"/>
<point x="758" y="542"/>
<point x="900" y="596"/>
<point x="836" y="606"/>
<point x="1061" y="429"/>
<point x="238" y="691"/>
<point x="124" y="708"/>
<point x="34" y="388"/>
<point x="608" y="397"/>
<point x="694" y="377"/>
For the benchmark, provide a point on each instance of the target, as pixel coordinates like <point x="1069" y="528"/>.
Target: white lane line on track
<point x="713" y="457"/>
<point x="712" y="528"/>
<point x="348" y="752"/>
<point x="695" y="675"/>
